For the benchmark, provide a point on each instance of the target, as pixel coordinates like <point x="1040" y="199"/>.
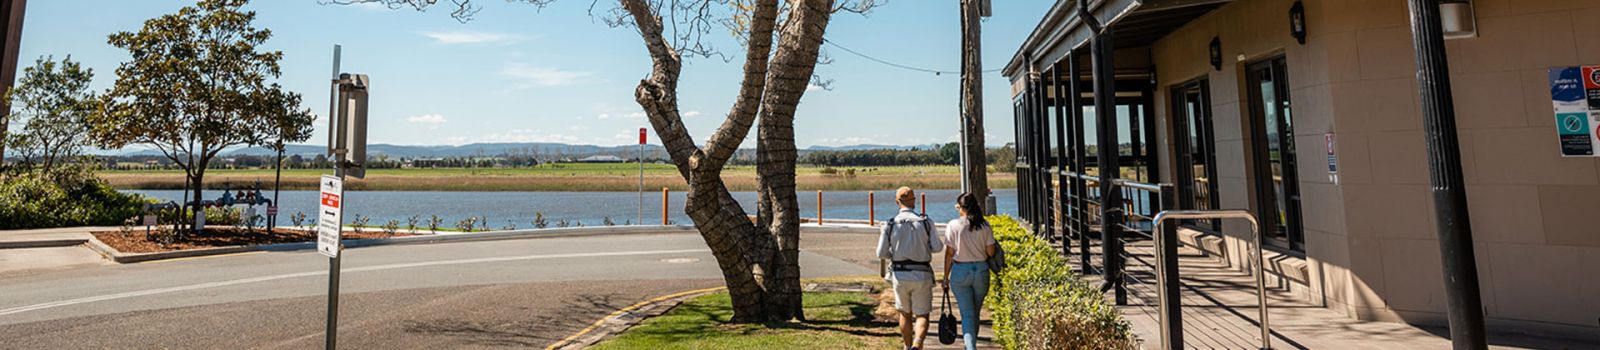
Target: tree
<point x="760" y="259"/>
<point x="52" y="102"/>
<point x="195" y="84"/>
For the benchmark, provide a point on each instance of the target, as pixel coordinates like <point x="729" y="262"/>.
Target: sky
<point x="517" y="73"/>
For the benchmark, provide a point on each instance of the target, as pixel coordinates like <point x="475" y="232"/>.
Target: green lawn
<point x="837" y="320"/>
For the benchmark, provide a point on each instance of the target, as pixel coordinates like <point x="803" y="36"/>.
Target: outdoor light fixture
<point x="1297" y="22"/>
<point x="1457" y="19"/>
<point x="1216" y="53"/>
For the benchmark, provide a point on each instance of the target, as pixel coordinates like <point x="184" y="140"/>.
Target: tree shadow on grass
<point x="536" y="329"/>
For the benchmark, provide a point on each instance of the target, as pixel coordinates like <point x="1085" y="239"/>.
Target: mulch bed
<point x="138" y="242"/>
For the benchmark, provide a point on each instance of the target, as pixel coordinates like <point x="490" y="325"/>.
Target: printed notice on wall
<point x="1575" y="91"/>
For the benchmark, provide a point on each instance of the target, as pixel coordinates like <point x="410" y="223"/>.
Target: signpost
<point x="1575" y="93"/>
<point x="347" y="142"/>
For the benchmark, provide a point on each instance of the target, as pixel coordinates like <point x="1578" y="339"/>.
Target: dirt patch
<point x="137" y="241"/>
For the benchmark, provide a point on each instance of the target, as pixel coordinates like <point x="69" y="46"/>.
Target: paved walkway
<point x="1220" y="312"/>
<point x="859" y="248"/>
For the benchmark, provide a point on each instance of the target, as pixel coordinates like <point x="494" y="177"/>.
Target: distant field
<point x="558" y="177"/>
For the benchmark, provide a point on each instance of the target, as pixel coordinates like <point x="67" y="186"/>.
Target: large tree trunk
<point x="759" y="262"/>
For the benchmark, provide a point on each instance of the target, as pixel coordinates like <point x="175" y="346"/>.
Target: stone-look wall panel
<point x="1526" y="272"/>
<point x="1398" y="157"/>
<point x="1529" y="155"/>
<point x="1412" y="270"/>
<point x="1570" y="214"/>
<point x="1505" y="213"/>
<point x="1517" y="42"/>
<point x="1588" y="34"/>
<point x="1491" y="100"/>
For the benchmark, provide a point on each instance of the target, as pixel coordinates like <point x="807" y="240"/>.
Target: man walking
<point x="908" y="241"/>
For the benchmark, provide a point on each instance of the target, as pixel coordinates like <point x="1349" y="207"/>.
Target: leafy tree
<point x="760" y="259"/>
<point x="195" y="84"/>
<point x="52" y="101"/>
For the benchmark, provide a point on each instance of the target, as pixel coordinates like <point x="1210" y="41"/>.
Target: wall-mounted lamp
<point x="1457" y="19"/>
<point x="1216" y="53"/>
<point x="1297" y="22"/>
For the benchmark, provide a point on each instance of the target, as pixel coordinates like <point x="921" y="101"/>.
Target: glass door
<point x="1272" y="125"/>
<point x="1196" y="154"/>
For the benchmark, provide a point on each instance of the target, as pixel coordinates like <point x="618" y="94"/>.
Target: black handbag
<point x="948" y="324"/>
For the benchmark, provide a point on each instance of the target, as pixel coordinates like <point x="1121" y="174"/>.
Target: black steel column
<point x="1047" y="194"/>
<point x="11" y="12"/>
<point x="1171" y="304"/>
<point x="1063" y="100"/>
<point x="1449" y="191"/>
<point x="1105" y="91"/>
<point x="1079" y="161"/>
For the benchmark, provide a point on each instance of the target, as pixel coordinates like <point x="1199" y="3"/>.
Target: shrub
<point x="1038" y="303"/>
<point x="360" y="222"/>
<point x="390" y="227"/>
<point x="66" y="198"/>
<point x="411" y="224"/>
<point x="466" y="225"/>
<point x="433" y="224"/>
<point x="539" y="220"/>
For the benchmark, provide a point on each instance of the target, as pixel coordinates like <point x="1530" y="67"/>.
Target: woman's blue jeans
<point x="970" y="282"/>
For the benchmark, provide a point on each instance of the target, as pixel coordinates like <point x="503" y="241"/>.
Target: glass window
<point x="1277" y="184"/>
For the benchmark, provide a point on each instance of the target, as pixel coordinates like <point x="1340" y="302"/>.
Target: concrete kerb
<point x="45" y="243"/>
<point x="443" y="237"/>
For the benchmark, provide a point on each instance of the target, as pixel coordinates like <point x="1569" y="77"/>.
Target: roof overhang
<point x="1062" y="31"/>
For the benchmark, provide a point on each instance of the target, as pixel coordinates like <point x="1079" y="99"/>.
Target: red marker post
<point x="643" y="136"/>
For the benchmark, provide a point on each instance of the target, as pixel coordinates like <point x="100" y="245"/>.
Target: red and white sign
<point x="329" y="222"/>
<point x="642" y="136"/>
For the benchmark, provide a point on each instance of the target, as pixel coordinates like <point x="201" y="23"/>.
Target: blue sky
<point x="516" y="73"/>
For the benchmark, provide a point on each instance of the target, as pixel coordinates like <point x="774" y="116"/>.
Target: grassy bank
<point x="837" y="320"/>
<point x="560" y="177"/>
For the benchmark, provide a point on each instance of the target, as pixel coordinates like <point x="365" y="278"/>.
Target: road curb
<point x="625" y="318"/>
<point x="46" y="243"/>
<point x="126" y="258"/>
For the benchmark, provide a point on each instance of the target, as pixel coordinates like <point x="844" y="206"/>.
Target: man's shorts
<point x="915" y="297"/>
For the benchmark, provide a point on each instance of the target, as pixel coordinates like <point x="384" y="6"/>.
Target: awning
<point x="1138" y="23"/>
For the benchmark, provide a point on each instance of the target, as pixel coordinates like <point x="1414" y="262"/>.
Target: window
<point x="1272" y="127"/>
<point x="1196" y="153"/>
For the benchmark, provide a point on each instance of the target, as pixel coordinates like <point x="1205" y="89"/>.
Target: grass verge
<point x="837" y="320"/>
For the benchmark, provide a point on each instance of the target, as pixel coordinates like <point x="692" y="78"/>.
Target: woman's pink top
<point x="970" y="245"/>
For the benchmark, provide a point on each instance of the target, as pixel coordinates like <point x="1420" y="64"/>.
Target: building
<point x="1307" y="113"/>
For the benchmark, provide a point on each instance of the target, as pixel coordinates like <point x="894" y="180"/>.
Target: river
<point x="517" y="209"/>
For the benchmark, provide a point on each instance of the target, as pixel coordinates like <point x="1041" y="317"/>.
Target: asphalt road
<point x="512" y="293"/>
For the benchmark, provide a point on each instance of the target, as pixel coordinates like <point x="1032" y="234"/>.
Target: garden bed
<point x="137" y="241"/>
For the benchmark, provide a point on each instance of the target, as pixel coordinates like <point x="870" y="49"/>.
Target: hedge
<point x="37" y="201"/>
<point x="1038" y="303"/>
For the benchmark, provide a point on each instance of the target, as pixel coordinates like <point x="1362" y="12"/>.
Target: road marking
<point x="597" y="323"/>
<point x="139" y="293"/>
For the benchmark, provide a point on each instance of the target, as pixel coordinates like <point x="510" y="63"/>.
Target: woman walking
<point x="970" y="242"/>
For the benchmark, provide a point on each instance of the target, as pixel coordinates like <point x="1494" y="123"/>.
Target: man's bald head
<point x="906" y="197"/>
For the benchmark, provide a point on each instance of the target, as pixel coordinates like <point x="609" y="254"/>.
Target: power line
<point x="897" y="65"/>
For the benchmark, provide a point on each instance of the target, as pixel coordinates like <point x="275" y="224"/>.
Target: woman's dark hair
<point x="969" y="202"/>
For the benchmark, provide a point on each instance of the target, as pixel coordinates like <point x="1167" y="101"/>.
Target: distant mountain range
<point x="541" y="149"/>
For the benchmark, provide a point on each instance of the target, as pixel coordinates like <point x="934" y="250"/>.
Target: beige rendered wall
<point x="1370" y="239"/>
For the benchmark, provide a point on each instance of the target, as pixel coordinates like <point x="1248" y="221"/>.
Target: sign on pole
<point x="1575" y="92"/>
<point x="329" y="223"/>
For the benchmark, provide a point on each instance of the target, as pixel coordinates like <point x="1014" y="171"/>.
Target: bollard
<point x="664" y="206"/>
<point x="924" y="204"/>
<point x="819" y="207"/>
<point x="872" y="209"/>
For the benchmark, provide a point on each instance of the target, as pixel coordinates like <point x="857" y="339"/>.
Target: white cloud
<point x="469" y="37"/>
<point x="813" y="87"/>
<point x="426" y="119"/>
<point x="691" y="114"/>
<point x="634" y="115"/>
<point x="531" y="76"/>
<point x="603" y="116"/>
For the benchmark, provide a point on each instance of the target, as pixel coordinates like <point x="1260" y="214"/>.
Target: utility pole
<point x="974" y="162"/>
<point x="1462" y="297"/>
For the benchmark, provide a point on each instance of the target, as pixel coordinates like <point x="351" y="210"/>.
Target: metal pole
<point x="872" y="209"/>
<point x="11" y="11"/>
<point x="1169" y="296"/>
<point x="664" y="220"/>
<point x="1449" y="192"/>
<point x="924" y="204"/>
<point x="1079" y="164"/>
<point x="1105" y="89"/>
<point x="332" y="331"/>
<point x="1167" y="276"/>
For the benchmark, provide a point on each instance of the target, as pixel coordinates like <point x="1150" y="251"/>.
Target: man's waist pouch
<point x="911" y="265"/>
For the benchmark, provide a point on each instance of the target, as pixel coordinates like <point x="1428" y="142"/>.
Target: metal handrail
<point x="1171" y="316"/>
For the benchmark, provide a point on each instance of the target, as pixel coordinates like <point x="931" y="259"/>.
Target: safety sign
<point x="1575" y="93"/>
<point x="329" y="223"/>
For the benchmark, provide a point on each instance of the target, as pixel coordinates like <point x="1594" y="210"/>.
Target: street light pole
<point x="1465" y="304"/>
